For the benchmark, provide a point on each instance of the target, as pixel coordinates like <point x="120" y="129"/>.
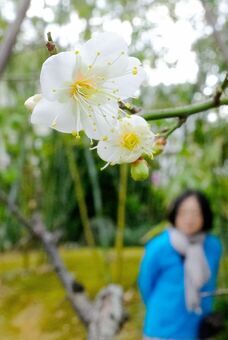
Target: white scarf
<point x="196" y="269"/>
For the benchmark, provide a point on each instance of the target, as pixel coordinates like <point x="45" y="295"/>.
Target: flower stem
<point x="121" y="221"/>
<point x="75" y="174"/>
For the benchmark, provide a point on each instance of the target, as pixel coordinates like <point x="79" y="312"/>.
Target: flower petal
<point x="114" y="151"/>
<point x="129" y="83"/>
<point x="98" y="121"/>
<point x="43" y="113"/>
<point x="56" y="72"/>
<point x="115" y="154"/>
<point x="109" y="46"/>
<point x="108" y="153"/>
<point x="138" y="121"/>
<point x="61" y="117"/>
<point x="109" y="68"/>
<point x="69" y="120"/>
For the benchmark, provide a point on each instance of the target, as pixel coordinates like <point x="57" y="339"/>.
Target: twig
<point x="51" y="45"/>
<point x="128" y="107"/>
<point x="182" y="119"/>
<point x="220" y="89"/>
<point x="184" y="111"/>
<point x="167" y="132"/>
<point x="161" y="139"/>
<point x="11" y="35"/>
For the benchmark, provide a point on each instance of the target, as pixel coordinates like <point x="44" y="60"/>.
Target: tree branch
<point x="184" y="111"/>
<point x="128" y="107"/>
<point x="166" y="132"/>
<point x="220" y="89"/>
<point x="11" y="35"/>
<point x="102" y="318"/>
<point x="71" y="286"/>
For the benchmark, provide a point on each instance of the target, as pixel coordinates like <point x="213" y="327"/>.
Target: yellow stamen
<point x="134" y="71"/>
<point x="130" y="140"/>
<point x="83" y="87"/>
<point x="75" y="134"/>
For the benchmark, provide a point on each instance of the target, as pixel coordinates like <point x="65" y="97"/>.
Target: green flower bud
<point x="139" y="170"/>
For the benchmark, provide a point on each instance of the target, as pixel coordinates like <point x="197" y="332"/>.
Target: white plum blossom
<point x="80" y="89"/>
<point x="130" y="139"/>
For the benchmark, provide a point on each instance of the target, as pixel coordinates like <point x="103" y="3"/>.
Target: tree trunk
<point x="11" y="35"/>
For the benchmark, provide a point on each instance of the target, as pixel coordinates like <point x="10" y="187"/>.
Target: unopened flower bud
<point x="139" y="170"/>
<point x="159" y="145"/>
<point x="31" y="102"/>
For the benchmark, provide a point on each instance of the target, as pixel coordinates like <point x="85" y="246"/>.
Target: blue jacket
<point x="161" y="284"/>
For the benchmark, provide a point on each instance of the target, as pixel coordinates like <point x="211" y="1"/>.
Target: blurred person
<point x="177" y="266"/>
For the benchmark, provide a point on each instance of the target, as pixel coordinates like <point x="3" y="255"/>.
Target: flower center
<point x="82" y="87"/>
<point x="130" y="140"/>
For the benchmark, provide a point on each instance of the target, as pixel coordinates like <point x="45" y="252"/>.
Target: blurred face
<point x="189" y="218"/>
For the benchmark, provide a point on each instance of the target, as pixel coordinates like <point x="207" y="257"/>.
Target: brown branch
<point x="220" y="89"/>
<point x="128" y="107"/>
<point x="72" y="287"/>
<point x="11" y="35"/>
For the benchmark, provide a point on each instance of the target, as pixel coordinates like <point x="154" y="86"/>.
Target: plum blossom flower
<point x="130" y="139"/>
<point x="80" y="89"/>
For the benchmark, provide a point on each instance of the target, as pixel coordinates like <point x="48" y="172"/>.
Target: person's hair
<point x="203" y="203"/>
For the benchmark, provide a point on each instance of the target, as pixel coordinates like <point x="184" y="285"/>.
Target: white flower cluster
<point x="80" y="90"/>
